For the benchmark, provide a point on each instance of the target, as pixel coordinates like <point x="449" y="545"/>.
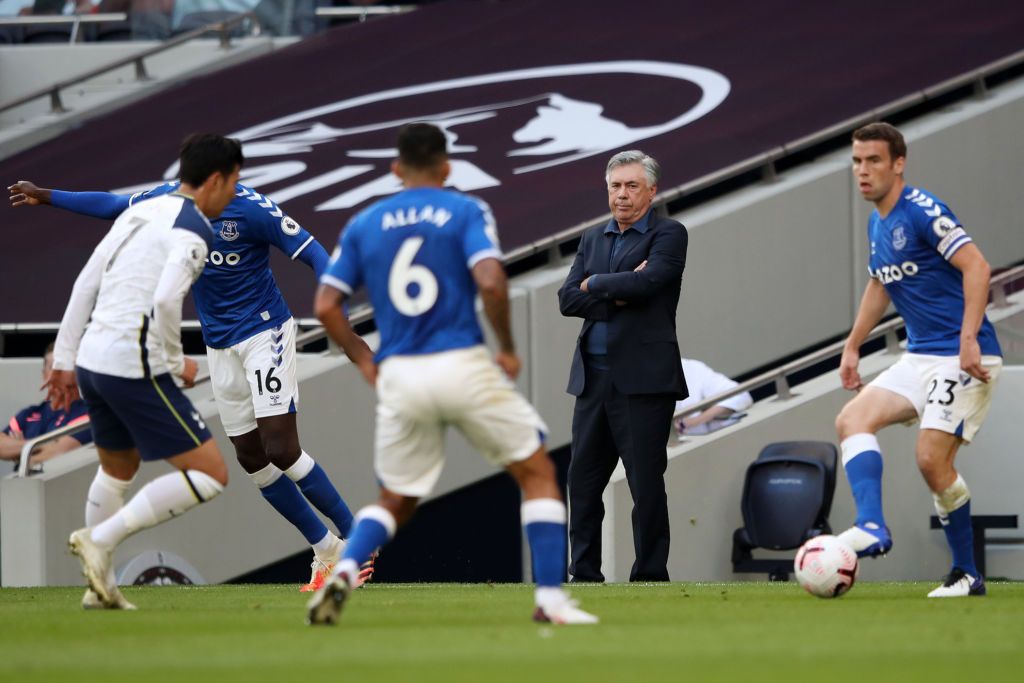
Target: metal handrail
<point x="362" y="12"/>
<point x="53" y="91"/>
<point x="780" y="375"/>
<point x="63" y="19"/>
<point x="997" y="285"/>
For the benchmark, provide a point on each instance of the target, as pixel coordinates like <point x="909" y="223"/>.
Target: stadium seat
<point x="53" y="33"/>
<point x="150" y="25"/>
<point x="787" y="497"/>
<point x="113" y="31"/>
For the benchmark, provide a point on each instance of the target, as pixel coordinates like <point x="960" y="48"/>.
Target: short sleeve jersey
<point x="236" y="296"/>
<point x="910" y="253"/>
<point x="414" y="252"/>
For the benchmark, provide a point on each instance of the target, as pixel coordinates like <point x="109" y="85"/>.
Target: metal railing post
<point x="225" y="36"/>
<point x="140" y="70"/>
<point x="56" y="105"/>
<point x="782" y="389"/>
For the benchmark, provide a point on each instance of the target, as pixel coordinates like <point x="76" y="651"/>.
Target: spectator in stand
<point x="703" y="382"/>
<point x="39" y="419"/>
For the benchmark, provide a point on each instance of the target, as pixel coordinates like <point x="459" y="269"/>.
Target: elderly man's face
<point x="629" y="194"/>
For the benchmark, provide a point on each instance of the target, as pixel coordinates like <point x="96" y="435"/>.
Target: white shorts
<point x="945" y="397"/>
<point x="419" y="396"/>
<point x="255" y="378"/>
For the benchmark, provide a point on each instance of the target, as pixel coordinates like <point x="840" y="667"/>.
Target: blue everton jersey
<point x="414" y="252"/>
<point x="910" y="253"/>
<point x="236" y="296"/>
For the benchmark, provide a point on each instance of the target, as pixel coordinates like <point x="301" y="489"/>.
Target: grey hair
<point x="634" y="156"/>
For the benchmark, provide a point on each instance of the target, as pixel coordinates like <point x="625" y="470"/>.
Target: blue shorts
<point x="150" y="414"/>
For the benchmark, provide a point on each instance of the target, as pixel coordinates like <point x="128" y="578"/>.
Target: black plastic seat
<point x="787" y="498"/>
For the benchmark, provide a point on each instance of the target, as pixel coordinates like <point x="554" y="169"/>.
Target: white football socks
<point x="105" y="497"/>
<point x="266" y="476"/>
<point x="161" y="499"/>
<point x="329" y="548"/>
<point x="301" y="467"/>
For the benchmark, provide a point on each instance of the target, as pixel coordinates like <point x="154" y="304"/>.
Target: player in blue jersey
<point x="924" y="262"/>
<point x="423" y="254"/>
<point x="250" y="338"/>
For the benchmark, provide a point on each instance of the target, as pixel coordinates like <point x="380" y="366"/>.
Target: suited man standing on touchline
<point x="625" y="372"/>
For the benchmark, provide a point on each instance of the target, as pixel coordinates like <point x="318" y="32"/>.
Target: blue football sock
<point x="317" y="487"/>
<point x="960" y="537"/>
<point x="287" y="500"/>
<point x="374" y="527"/>
<point x="544" y="521"/>
<point x="547" y="548"/>
<point x="862" y="461"/>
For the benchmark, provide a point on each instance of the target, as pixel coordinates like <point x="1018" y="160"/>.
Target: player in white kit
<point x="119" y="345"/>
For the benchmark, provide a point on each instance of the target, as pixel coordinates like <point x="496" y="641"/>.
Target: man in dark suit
<point x="625" y="371"/>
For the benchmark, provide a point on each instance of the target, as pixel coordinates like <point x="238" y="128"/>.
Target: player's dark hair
<point x="421" y="145"/>
<point x="885" y="132"/>
<point x="203" y="154"/>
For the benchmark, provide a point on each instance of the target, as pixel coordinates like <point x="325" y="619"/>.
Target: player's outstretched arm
<point x="96" y="204"/>
<point x="327" y="306"/>
<point x="25" y="193"/>
<point x="873" y="303"/>
<point x="976" y="273"/>
<point x="492" y="283"/>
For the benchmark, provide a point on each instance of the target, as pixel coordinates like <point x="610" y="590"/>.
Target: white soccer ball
<point x="826" y="567"/>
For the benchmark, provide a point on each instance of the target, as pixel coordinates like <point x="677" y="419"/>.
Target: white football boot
<point x="562" y="610"/>
<point x="959" y="584"/>
<point x="95" y="563"/>
<point x="325" y="605"/>
<point x="868" y="539"/>
<point x="92" y="601"/>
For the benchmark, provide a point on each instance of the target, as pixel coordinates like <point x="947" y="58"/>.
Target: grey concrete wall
<point x="705" y="482"/>
<point x="21" y="378"/>
<point x="237" y="531"/>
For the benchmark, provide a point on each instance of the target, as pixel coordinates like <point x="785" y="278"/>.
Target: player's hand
<point x="643" y="264"/>
<point x="61" y="389"/>
<point x="584" y="286"/>
<point x="970" y="360"/>
<point x="188" y="375"/>
<point x="848" y="370"/>
<point x="509" y="363"/>
<point x="369" y="370"/>
<point x="24" y="192"/>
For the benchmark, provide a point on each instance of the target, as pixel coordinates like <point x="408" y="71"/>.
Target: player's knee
<point x="280" y="445"/>
<point x="207" y="485"/>
<point x="251" y="459"/>
<point x="927" y="462"/>
<point x="843" y="423"/>
<point x="851" y="420"/>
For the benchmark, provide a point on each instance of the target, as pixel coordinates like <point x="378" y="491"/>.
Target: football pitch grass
<point x="483" y="633"/>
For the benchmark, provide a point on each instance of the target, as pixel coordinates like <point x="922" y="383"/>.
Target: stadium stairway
<point x="25" y="69"/>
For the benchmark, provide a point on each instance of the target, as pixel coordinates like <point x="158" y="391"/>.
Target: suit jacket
<point x="643" y="351"/>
